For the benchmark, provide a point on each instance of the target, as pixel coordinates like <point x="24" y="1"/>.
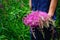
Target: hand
<point x="41" y="23"/>
<point x="44" y="21"/>
<point x="50" y="15"/>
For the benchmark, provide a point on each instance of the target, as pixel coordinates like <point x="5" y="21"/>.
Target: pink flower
<point x="44" y="15"/>
<point x="34" y="17"/>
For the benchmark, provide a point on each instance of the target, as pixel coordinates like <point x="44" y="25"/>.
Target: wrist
<point x="50" y="15"/>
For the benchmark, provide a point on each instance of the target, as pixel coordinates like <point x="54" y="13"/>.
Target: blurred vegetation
<point x="58" y="14"/>
<point x="11" y="14"/>
<point x="11" y="25"/>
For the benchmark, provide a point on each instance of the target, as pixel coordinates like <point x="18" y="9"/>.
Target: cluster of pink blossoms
<point x="34" y="18"/>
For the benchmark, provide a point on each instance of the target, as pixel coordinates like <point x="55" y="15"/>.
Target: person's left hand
<point x="44" y="21"/>
<point x="50" y="15"/>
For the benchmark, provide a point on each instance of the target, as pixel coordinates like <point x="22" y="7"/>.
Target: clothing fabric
<point x="42" y="5"/>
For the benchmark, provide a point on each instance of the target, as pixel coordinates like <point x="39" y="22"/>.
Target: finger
<point x="41" y="23"/>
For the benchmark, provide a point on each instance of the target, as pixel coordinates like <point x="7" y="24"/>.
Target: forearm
<point x="30" y="3"/>
<point x="52" y="7"/>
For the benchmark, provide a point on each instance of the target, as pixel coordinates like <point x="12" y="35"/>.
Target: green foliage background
<point x="11" y="24"/>
<point x="58" y="14"/>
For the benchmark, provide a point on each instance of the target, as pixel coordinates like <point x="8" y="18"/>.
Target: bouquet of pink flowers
<point x="35" y="17"/>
